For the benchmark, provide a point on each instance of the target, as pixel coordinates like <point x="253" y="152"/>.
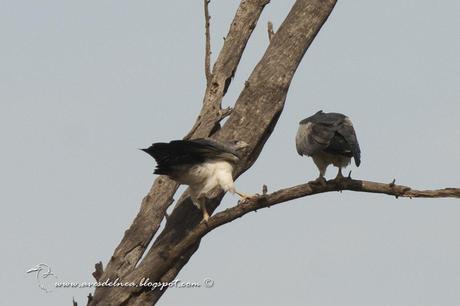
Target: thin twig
<point x="90" y="298"/>
<point x="225" y="65"/>
<point x="270" y="30"/>
<point x="207" y="59"/>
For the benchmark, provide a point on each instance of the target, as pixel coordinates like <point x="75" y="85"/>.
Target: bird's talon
<point x="264" y="189"/>
<point x="329" y="139"/>
<point x="193" y="156"/>
<point x="246" y="197"/>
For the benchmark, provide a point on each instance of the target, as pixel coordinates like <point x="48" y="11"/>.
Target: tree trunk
<point x="252" y="120"/>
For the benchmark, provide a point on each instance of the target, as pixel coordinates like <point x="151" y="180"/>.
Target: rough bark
<point x="160" y="197"/>
<point x="207" y="55"/>
<point x="224" y="68"/>
<point x="270" y="30"/>
<point x="252" y="120"/>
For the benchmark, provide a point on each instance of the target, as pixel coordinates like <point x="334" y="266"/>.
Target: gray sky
<point x="83" y="84"/>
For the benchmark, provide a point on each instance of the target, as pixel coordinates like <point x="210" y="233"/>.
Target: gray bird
<point x="202" y="164"/>
<point x="328" y="138"/>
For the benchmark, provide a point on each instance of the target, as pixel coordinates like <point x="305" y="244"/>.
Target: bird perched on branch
<point x="328" y="138"/>
<point x="202" y="164"/>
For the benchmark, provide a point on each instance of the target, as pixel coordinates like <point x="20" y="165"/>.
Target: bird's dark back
<point x="324" y="118"/>
<point x="332" y="132"/>
<point x="179" y="153"/>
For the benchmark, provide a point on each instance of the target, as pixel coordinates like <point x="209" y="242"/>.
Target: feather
<point x="330" y="138"/>
<point x="173" y="156"/>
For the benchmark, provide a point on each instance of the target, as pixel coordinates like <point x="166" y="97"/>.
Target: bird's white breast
<point x="206" y="176"/>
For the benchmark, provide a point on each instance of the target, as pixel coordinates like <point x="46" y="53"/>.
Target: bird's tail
<point x="162" y="153"/>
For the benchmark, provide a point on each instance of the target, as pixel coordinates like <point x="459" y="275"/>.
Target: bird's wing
<point x="331" y="132"/>
<point x="347" y="139"/>
<point x="213" y="149"/>
<point x="187" y="152"/>
<point x="179" y="152"/>
<point x="315" y="133"/>
<point x="313" y="137"/>
<point x="344" y="141"/>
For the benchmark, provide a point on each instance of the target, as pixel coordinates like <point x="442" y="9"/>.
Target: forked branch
<point x="156" y="202"/>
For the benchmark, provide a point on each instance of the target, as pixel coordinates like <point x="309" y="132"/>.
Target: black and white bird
<point x="202" y="164"/>
<point x="328" y="138"/>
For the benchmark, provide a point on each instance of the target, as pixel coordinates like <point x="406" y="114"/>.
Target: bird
<point x="42" y="271"/>
<point x="202" y="164"/>
<point x="328" y="138"/>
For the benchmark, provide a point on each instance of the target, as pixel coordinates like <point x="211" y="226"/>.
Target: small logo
<point x="43" y="275"/>
<point x="208" y="282"/>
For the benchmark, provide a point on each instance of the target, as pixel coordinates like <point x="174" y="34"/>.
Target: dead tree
<point x="252" y="119"/>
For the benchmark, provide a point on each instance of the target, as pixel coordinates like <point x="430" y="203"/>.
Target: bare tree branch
<point x="207" y="57"/>
<point x="160" y="197"/>
<point x="270" y="30"/>
<point x="312" y="188"/>
<point x="224" y="68"/>
<point x="287" y="194"/>
<point x="252" y="120"/>
<point x="143" y="228"/>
